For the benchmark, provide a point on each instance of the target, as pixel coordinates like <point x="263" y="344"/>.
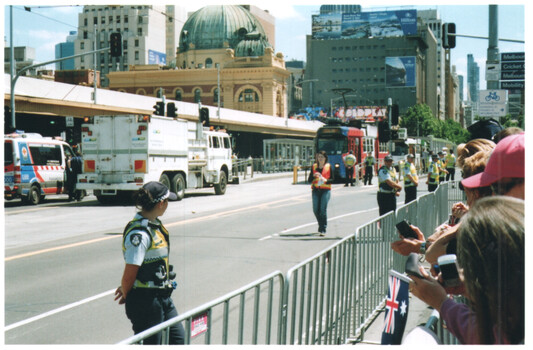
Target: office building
<point x="66" y="49"/>
<point x="148" y="36"/>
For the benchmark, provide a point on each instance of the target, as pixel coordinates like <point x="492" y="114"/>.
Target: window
<point x="118" y="19"/>
<point x="215" y="142"/>
<point x="124" y="44"/>
<point x="45" y="155"/>
<point x="125" y="18"/>
<point x="197" y="95"/>
<point x="208" y="63"/>
<point x="8" y="153"/>
<point x="248" y="95"/>
<point x="178" y="95"/>
<point x="137" y="55"/>
<point x="95" y="20"/>
<point x="85" y="22"/>
<point x="110" y="19"/>
<point x="139" y="31"/>
<point x="82" y="46"/>
<point x="102" y="20"/>
<point x="85" y="35"/>
<point x="136" y="42"/>
<point x="227" y="143"/>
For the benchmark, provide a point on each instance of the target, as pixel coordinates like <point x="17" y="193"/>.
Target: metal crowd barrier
<point x="330" y="298"/>
<point x="213" y="318"/>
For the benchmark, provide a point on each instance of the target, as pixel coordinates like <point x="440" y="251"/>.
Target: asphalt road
<point x="63" y="260"/>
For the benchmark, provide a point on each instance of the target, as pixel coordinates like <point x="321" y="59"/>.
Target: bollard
<point x="295" y="174"/>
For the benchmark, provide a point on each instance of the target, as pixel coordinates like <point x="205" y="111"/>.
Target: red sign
<point x="199" y="325"/>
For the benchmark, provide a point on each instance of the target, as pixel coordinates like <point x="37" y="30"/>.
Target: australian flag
<point x="396" y="309"/>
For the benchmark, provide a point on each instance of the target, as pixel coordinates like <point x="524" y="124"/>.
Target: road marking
<point x="28" y="210"/>
<point x="61" y="309"/>
<point x="25" y="255"/>
<point x="314" y="223"/>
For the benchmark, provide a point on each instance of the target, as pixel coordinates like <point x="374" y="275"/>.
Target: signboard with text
<point x="364" y="24"/>
<point x="513" y="70"/>
<point x="492" y="103"/>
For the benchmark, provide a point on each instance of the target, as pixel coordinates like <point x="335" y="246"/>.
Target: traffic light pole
<point x="14" y="80"/>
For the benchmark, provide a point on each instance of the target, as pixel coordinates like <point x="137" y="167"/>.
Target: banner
<point x="400" y="71"/>
<point x="364" y="24"/>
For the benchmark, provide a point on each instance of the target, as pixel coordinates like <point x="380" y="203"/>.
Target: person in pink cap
<point x="505" y="170"/>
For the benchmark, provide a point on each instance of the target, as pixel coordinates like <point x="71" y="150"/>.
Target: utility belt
<point x="154" y="292"/>
<point x="387" y="191"/>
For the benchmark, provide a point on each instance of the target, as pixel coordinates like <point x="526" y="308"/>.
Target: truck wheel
<point x="178" y="186"/>
<point x="34" y="196"/>
<point x="165" y="180"/>
<point x="220" y="187"/>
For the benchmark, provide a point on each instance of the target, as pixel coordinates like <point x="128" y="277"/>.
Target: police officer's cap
<point x="388" y="158"/>
<point x="434" y="155"/>
<point x="159" y="191"/>
<point x="410" y="155"/>
<point x="440" y="153"/>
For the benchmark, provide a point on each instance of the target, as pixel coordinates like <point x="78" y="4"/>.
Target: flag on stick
<point x="396" y="309"/>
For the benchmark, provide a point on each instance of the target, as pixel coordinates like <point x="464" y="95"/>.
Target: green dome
<point x="251" y="45"/>
<point x="211" y="26"/>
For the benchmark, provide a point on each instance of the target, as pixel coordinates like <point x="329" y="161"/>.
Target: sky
<point x="46" y="25"/>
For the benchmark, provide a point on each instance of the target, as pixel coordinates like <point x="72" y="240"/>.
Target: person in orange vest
<point x="321" y="177"/>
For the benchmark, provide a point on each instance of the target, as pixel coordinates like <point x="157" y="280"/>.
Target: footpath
<point x="419" y="312"/>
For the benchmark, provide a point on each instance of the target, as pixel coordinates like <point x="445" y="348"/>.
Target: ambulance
<point x="34" y="166"/>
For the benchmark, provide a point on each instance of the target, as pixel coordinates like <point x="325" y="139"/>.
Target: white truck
<point x="123" y="152"/>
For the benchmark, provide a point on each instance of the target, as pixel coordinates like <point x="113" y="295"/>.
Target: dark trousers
<point x="386" y="202"/>
<point x="410" y="194"/>
<point x="432" y="187"/>
<point x="368" y="175"/>
<point x="320" y="208"/>
<point x="349" y="176"/>
<point x="451" y="174"/>
<point x="147" y="308"/>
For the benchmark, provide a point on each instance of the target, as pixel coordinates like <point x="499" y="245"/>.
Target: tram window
<point x="333" y="146"/>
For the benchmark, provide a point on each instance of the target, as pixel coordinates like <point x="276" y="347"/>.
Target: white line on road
<point x="314" y="223"/>
<point x="61" y="309"/>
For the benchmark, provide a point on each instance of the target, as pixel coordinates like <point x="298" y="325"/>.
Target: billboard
<point x="364" y="113"/>
<point x="155" y="57"/>
<point x="364" y="24"/>
<point x="400" y="71"/>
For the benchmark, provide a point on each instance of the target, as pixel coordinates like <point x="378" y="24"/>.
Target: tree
<point x="420" y="121"/>
<point x="453" y="131"/>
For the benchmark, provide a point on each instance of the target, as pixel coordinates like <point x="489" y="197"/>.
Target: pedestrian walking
<point x="321" y="177"/>
<point x="410" y="178"/>
<point x="74" y="167"/>
<point x="450" y="165"/>
<point x="147" y="284"/>
<point x="349" y="161"/>
<point x="389" y="187"/>
<point x="433" y="173"/>
<point x="369" y="168"/>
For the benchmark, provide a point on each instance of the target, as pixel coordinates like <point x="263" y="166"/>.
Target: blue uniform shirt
<point x="136" y="244"/>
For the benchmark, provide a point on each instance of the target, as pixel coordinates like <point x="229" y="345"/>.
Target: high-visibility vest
<point x="409" y="169"/>
<point x="450" y="161"/>
<point x="153" y="273"/>
<point x="433" y="173"/>
<point x="369" y="161"/>
<point x="383" y="186"/>
<point x="326" y="173"/>
<point x="350" y="160"/>
<point x="442" y="174"/>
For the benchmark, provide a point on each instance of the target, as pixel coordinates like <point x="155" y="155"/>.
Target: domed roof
<point x="251" y="45"/>
<point x="211" y="26"/>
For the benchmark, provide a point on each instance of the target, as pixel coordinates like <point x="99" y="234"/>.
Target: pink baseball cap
<point x="507" y="160"/>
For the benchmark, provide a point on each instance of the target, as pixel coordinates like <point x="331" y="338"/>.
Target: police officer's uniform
<point x="410" y="187"/>
<point x="146" y="244"/>
<point x="386" y="194"/>
<point x="442" y="174"/>
<point x="433" y="174"/>
<point x="349" y="162"/>
<point x="369" y="169"/>
<point x="450" y="166"/>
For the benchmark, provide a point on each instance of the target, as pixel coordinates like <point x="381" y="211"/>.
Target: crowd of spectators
<point x="487" y="236"/>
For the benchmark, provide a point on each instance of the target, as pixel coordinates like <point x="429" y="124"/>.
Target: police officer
<point x="369" y="168"/>
<point x="450" y="165"/>
<point x="410" y="178"/>
<point x="388" y="188"/>
<point x="442" y="167"/>
<point x="147" y="279"/>
<point x="433" y="173"/>
<point x="349" y="161"/>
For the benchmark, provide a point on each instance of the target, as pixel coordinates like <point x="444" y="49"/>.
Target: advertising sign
<point x="155" y="57"/>
<point x="492" y="103"/>
<point x="400" y="71"/>
<point x="365" y="113"/>
<point x="364" y="24"/>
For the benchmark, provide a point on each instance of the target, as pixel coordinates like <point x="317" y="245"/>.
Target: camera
<point x="448" y="268"/>
<point x="404" y="227"/>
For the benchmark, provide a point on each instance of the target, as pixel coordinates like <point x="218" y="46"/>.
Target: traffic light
<point x="115" y="43"/>
<point x="171" y="110"/>
<point x="383" y="131"/>
<point x="159" y="108"/>
<point x="448" y="35"/>
<point x="395" y="114"/>
<point x="204" y="116"/>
